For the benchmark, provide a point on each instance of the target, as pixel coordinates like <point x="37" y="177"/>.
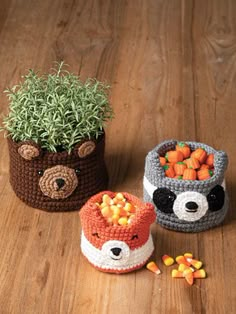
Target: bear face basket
<point x="116" y="246"/>
<point x="186" y="205"/>
<point x="57" y="181"/>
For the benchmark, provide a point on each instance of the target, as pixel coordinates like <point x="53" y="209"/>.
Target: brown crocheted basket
<point x="57" y="181"/>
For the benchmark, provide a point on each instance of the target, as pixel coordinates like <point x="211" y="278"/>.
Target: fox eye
<point x="135" y="236"/>
<point x="95" y="234"/>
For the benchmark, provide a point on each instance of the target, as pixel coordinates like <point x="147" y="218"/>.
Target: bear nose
<point x="60" y="182"/>
<point x="116" y="251"/>
<point x="192" y="206"/>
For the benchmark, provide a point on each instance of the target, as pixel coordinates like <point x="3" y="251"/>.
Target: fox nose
<point x="116" y="251"/>
<point x="191" y="206"/>
<point x="60" y="182"/>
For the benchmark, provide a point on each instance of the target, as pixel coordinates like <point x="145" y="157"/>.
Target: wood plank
<point x="171" y="65"/>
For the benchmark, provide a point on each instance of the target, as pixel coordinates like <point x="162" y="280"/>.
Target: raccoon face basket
<point x="116" y="248"/>
<point x="172" y="197"/>
<point x="57" y="181"/>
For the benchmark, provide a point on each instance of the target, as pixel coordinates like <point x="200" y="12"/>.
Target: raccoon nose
<point x="192" y="206"/>
<point x="60" y="183"/>
<point x="116" y="251"/>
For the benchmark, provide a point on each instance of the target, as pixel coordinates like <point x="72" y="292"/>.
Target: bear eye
<point x="164" y="199"/>
<point x="95" y="234"/>
<point x="135" y="236"/>
<point x="77" y="170"/>
<point x="40" y="172"/>
<point x="216" y="198"/>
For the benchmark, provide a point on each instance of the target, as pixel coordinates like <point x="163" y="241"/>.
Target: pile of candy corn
<point x="182" y="163"/>
<point x="117" y="210"/>
<point x="189" y="268"/>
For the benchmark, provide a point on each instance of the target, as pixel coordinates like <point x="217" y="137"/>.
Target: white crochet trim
<point x="127" y="258"/>
<point x="183" y="213"/>
<point x="179" y="207"/>
<point x="149" y="187"/>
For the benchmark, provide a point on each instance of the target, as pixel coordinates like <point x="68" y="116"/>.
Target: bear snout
<point x="60" y="183"/>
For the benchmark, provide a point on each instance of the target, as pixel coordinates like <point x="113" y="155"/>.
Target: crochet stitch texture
<point x="201" y="193"/>
<point x="116" y="248"/>
<point x="57" y="181"/>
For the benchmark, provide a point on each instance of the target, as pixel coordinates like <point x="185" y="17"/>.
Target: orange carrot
<point x="183" y="148"/>
<point x="200" y="154"/>
<point x="189" y="174"/>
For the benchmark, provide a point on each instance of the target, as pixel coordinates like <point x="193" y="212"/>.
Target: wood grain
<point x="172" y="67"/>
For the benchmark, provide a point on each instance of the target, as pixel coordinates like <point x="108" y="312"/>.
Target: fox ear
<point x="146" y="214"/>
<point x="86" y="148"/>
<point x="91" y="214"/>
<point x="29" y="150"/>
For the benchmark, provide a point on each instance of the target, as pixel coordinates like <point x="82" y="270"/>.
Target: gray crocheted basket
<point x="170" y="196"/>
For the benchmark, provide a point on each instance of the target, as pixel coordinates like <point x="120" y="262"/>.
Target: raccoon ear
<point x="90" y="214"/>
<point x="86" y="148"/>
<point x="29" y="150"/>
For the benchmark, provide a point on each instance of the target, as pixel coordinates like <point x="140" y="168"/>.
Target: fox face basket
<point x="186" y="205"/>
<point x="57" y="181"/>
<point x="116" y="248"/>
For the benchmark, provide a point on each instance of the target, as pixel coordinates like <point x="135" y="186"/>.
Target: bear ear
<point x="86" y="148"/>
<point x="29" y="150"/>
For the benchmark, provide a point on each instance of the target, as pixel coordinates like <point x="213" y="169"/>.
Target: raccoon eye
<point x="216" y="198"/>
<point x="164" y="199"/>
<point x="135" y="236"/>
<point x="77" y="171"/>
<point x="40" y="172"/>
<point x="95" y="234"/>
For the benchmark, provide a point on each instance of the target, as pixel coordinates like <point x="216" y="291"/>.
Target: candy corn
<point x="195" y="263"/>
<point x="117" y="210"/>
<point x="152" y="266"/>
<point x="199" y="273"/>
<point x="189" y="278"/>
<point x="182" y="260"/>
<point x="183" y="267"/>
<point x="176" y="274"/>
<point x="186" y="271"/>
<point x="189" y="255"/>
<point x="167" y="260"/>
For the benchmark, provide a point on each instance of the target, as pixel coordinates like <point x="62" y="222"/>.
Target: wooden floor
<point x="172" y="68"/>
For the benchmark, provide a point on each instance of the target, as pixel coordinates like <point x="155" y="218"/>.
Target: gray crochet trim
<point x="155" y="174"/>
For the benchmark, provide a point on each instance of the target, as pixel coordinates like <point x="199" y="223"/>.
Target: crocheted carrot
<point x="184" y="149"/>
<point x="174" y="156"/>
<point x="192" y="163"/>
<point x="200" y="154"/>
<point x="189" y="174"/>
<point x="204" y="174"/>
<point x="162" y="161"/>
<point x="169" y="171"/>
<point x="210" y="160"/>
<point x="179" y="168"/>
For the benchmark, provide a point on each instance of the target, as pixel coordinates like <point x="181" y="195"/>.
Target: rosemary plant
<point x="57" y="110"/>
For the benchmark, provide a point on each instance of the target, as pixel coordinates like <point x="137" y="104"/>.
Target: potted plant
<point x="56" y="139"/>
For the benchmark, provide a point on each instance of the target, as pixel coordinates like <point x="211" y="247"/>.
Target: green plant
<point x="57" y="110"/>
